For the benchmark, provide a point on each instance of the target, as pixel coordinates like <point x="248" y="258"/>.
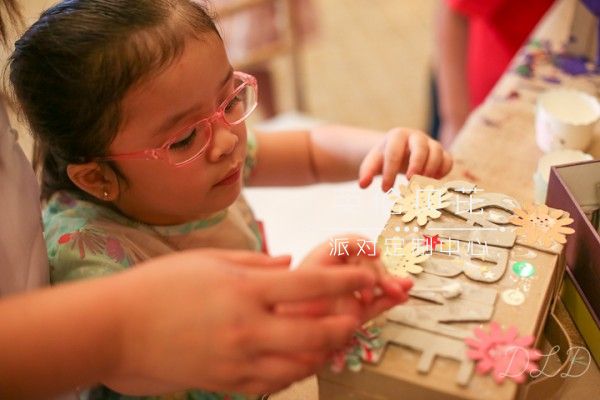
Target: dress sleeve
<point x="78" y="247"/>
<point x="85" y="253"/>
<point x="67" y="265"/>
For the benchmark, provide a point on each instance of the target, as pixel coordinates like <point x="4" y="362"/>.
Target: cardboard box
<point x="397" y="373"/>
<point x="572" y="187"/>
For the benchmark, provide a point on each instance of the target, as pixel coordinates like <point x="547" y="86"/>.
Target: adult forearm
<point x="58" y="339"/>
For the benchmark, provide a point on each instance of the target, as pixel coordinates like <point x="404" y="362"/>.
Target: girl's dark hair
<point x="72" y="68"/>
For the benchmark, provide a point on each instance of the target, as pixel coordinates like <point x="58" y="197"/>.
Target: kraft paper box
<point x="511" y="287"/>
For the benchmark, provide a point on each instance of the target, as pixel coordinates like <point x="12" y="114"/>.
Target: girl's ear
<point x="98" y="180"/>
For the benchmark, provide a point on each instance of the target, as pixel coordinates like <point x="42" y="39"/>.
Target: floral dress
<point x="85" y="239"/>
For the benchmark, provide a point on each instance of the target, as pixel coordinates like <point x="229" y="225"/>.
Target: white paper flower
<point x="404" y="260"/>
<point x="421" y="203"/>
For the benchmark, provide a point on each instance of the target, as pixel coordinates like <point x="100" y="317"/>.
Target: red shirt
<point x="497" y="29"/>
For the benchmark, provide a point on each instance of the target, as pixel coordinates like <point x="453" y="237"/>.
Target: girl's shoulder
<point x="67" y="214"/>
<point x="65" y="206"/>
<point x="84" y="239"/>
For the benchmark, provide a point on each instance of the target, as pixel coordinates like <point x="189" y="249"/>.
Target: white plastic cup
<point x="565" y="119"/>
<point x="542" y="174"/>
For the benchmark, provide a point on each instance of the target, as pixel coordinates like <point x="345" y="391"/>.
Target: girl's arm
<point x="340" y="153"/>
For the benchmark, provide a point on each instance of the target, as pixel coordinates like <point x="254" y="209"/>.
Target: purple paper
<point x="572" y="65"/>
<point x="551" y="79"/>
<point x="594" y="7"/>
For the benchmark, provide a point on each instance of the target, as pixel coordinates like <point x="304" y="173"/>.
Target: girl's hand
<point x="404" y="150"/>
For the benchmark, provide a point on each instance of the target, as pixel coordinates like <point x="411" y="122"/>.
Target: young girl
<point x="141" y="119"/>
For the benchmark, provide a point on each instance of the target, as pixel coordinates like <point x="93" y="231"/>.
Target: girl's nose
<point x="223" y="143"/>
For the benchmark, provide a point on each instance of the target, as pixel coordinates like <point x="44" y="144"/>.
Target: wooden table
<point x="497" y="147"/>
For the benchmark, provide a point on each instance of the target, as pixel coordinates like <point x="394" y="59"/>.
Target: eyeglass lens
<point x="194" y="140"/>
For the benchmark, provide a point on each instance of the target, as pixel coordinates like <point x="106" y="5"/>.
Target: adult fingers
<point x="278" y="371"/>
<point x="394" y="154"/>
<point x="312" y="308"/>
<point x="380" y="305"/>
<point x="307" y="284"/>
<point x="356" y="248"/>
<point x="281" y="334"/>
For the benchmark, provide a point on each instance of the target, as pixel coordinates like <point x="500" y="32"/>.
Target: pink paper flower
<point x="503" y="353"/>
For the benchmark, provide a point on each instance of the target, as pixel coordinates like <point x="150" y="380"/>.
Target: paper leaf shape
<point x="405" y="260"/>
<point x="421" y="204"/>
<point x="432" y="346"/>
<point x="503" y="353"/>
<point x="365" y="346"/>
<point x="540" y="225"/>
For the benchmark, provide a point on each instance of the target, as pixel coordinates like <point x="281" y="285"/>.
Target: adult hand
<point x="198" y="319"/>
<point x="370" y="302"/>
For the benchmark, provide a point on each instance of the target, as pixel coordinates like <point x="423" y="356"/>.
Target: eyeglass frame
<point x="161" y="153"/>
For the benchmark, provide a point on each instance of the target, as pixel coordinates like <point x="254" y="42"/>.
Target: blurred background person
<point x="475" y="42"/>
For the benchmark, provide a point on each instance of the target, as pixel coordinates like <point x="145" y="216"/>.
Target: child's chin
<point x="229" y="196"/>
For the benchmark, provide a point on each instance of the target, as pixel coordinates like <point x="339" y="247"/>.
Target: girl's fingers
<point x="370" y="166"/>
<point x="393" y="158"/>
<point x="435" y="159"/>
<point x="382" y="304"/>
<point x="419" y="150"/>
<point x="446" y="165"/>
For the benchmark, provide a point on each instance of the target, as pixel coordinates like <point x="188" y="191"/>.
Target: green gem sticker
<point x="523" y="269"/>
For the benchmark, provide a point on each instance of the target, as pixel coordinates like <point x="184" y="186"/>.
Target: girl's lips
<point x="231" y="178"/>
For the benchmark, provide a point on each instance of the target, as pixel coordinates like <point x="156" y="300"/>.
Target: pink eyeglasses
<point x="189" y="143"/>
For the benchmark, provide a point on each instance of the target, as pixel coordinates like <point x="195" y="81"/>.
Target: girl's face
<point x="193" y="87"/>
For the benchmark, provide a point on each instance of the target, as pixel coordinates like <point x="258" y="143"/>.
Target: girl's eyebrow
<point x="176" y="118"/>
